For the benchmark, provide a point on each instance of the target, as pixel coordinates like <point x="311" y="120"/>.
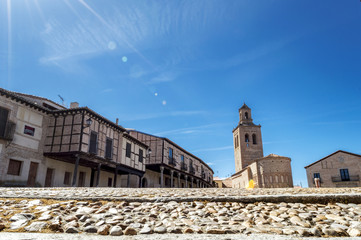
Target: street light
<point x="88" y="122"/>
<point x="149" y="151"/>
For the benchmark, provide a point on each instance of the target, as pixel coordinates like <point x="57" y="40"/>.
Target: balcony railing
<point x="352" y="178"/>
<point x="191" y="169"/>
<point x="171" y="161"/>
<point x="184" y="166"/>
<point x="9" y="131"/>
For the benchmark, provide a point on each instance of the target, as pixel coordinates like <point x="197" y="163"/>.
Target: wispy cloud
<point x="213" y="149"/>
<point x="163" y="77"/>
<point x="136" y="117"/>
<point x="188" y="130"/>
<point x="133" y="28"/>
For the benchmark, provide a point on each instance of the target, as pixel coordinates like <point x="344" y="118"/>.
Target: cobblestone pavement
<point x="143" y="212"/>
<point x="156" y="193"/>
<point x="59" y="236"/>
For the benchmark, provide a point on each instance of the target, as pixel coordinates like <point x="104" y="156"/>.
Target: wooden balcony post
<point x="75" y="174"/>
<point x="171" y="178"/>
<point x="161" y="177"/>
<point x="115" y="176"/>
<point x="98" y="175"/>
<point x="179" y="181"/>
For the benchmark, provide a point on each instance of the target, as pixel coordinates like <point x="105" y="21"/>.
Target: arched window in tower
<point x="246" y="139"/>
<point x="254" y="138"/>
<point x="246" y="115"/>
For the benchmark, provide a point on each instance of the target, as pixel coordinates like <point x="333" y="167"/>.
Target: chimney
<point x="74" y="105"/>
<point x="117" y="121"/>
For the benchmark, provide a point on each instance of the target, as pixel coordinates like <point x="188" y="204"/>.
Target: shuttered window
<point x="109" y="148"/>
<point x="4" y="113"/>
<point x="93" y="145"/>
<point x="14" y="167"/>
<point x="140" y="155"/>
<point x="128" y="150"/>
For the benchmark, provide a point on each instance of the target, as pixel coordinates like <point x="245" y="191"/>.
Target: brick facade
<point x="339" y="169"/>
<point x="272" y="171"/>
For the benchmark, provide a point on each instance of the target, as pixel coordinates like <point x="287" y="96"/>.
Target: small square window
<point x="29" y="130"/>
<point x="14" y="167"/>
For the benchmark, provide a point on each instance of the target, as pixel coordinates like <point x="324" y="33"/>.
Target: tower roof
<point x="244" y="106"/>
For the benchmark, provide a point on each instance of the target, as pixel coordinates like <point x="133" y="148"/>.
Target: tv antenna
<point x="62" y="99"/>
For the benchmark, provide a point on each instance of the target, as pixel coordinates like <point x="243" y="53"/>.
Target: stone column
<point x="161" y="177"/>
<point x="186" y="177"/>
<point x="75" y="174"/>
<point x="179" y="182"/>
<point x="98" y="175"/>
<point x="171" y="178"/>
<point x="197" y="183"/>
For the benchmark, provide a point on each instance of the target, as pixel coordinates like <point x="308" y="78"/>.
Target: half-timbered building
<point x="45" y="144"/>
<point x="169" y="165"/>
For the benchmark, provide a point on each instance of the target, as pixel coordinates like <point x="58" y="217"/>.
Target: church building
<point x="252" y="168"/>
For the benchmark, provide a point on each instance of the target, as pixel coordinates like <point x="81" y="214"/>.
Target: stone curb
<point x="299" y="198"/>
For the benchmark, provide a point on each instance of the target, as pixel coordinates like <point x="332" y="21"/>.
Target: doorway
<point x="144" y="183"/>
<point x="49" y="177"/>
<point x="81" y="182"/>
<point x="32" y="174"/>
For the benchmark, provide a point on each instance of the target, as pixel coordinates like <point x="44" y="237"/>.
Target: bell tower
<point x="247" y="139"/>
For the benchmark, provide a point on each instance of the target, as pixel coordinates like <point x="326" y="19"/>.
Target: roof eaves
<point x="357" y="155"/>
<point x="17" y="97"/>
<point x="97" y="115"/>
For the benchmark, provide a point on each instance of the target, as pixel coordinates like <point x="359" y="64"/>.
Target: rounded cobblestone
<point x="106" y="217"/>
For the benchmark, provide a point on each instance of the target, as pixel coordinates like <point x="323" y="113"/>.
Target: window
<point x="93" y="144"/>
<point x="29" y="130"/>
<point x="316" y="175"/>
<point x="170" y="152"/>
<point x="128" y="150"/>
<point x="246" y="115"/>
<point x="182" y="159"/>
<point x="140" y="155"/>
<point x="344" y="175"/>
<point x="14" y="167"/>
<point x="109" y="148"/>
<point x="246" y="138"/>
<point x="254" y="139"/>
<point x="3" y="120"/>
<point x="67" y="177"/>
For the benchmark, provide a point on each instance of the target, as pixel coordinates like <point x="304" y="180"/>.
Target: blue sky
<point x="181" y="69"/>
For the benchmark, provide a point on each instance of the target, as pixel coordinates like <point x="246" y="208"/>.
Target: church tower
<point x="247" y="139"/>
